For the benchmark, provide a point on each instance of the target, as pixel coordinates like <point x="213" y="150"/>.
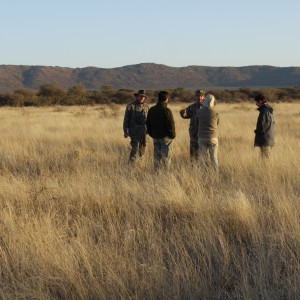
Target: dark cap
<point x="260" y="97"/>
<point x="163" y="96"/>
<point x="140" y="92"/>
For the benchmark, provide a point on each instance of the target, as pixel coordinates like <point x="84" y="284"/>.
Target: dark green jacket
<point x="265" y="127"/>
<point x="160" y="122"/>
<point x="190" y="113"/>
<point x="135" y="119"/>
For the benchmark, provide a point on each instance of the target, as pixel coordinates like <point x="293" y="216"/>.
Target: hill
<point x="147" y="76"/>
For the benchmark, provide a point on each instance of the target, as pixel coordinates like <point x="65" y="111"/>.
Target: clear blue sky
<point x="178" y="33"/>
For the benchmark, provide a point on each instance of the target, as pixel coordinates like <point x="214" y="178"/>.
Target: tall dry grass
<point x="77" y="222"/>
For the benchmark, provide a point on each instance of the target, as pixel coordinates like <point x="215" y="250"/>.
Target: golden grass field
<point x="77" y="222"/>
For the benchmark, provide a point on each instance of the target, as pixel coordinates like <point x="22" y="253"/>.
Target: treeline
<point x="50" y="94"/>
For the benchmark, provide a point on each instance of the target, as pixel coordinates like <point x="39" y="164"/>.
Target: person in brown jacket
<point x="207" y="121"/>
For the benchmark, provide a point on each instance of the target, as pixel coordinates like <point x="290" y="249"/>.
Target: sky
<point x="116" y="33"/>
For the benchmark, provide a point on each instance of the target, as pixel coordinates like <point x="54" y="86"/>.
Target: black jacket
<point x="265" y="127"/>
<point x="160" y="122"/>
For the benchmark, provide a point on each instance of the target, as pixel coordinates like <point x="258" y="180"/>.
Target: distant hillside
<point x="147" y="76"/>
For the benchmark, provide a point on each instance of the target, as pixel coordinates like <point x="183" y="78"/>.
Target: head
<point x="209" y="101"/>
<point x="163" y="96"/>
<point x="260" y="99"/>
<point x="199" y="95"/>
<point x="140" y="95"/>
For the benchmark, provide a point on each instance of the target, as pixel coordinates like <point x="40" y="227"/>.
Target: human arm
<point x="126" y="122"/>
<point x="148" y="125"/>
<point x="267" y="121"/>
<point x="185" y="113"/>
<point x="259" y="124"/>
<point x="170" y="125"/>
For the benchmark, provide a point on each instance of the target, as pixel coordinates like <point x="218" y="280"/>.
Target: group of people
<point x="158" y="123"/>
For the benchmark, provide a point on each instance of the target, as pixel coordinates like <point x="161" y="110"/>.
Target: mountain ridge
<point x="147" y="76"/>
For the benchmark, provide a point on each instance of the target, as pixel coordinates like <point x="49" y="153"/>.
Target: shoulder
<point x="192" y="107"/>
<point x="152" y="109"/>
<point x="169" y="111"/>
<point x="131" y="105"/>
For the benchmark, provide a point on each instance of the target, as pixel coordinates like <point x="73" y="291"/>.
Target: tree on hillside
<point x="77" y="90"/>
<point x="108" y="90"/>
<point x="25" y="96"/>
<point x="50" y="90"/>
<point x="76" y="94"/>
<point x="53" y="92"/>
<point x="123" y="96"/>
<point x="107" y="93"/>
<point x="181" y="94"/>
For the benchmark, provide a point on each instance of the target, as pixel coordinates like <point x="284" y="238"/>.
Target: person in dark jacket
<point x="265" y="126"/>
<point x="190" y="113"/>
<point x="161" y="127"/>
<point x="134" y="125"/>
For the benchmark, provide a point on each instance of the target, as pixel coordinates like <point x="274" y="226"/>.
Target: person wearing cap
<point x="207" y="121"/>
<point x="161" y="127"/>
<point x="190" y="113"/>
<point x="265" y="126"/>
<point x="134" y="125"/>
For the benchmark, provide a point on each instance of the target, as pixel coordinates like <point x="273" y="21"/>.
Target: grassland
<point x="76" y="222"/>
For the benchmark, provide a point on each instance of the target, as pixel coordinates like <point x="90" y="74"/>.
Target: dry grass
<point x="77" y="222"/>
